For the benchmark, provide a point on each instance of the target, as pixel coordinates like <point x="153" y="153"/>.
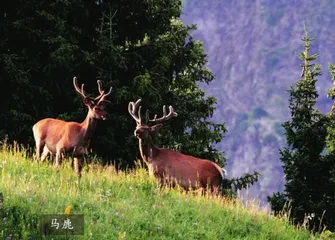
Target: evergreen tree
<point x="159" y="67"/>
<point x="309" y="170"/>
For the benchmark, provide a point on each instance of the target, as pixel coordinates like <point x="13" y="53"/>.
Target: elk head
<point x="96" y="105"/>
<point x="143" y="130"/>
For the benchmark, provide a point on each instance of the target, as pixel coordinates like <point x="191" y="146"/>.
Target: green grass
<point x="123" y="205"/>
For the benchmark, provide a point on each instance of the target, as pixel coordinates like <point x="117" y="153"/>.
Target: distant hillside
<point x="251" y="47"/>
<point x="121" y="205"/>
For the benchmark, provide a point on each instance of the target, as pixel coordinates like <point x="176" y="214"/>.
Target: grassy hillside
<point x="122" y="205"/>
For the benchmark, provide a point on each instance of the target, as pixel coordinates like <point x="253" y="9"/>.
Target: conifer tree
<point x="309" y="169"/>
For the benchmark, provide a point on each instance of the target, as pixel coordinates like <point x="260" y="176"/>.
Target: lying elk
<point x="167" y="165"/>
<point x="59" y="137"/>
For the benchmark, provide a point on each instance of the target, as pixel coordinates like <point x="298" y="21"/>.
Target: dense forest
<point x="141" y="49"/>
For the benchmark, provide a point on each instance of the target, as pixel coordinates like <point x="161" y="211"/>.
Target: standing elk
<point x="170" y="166"/>
<point x="60" y="137"/>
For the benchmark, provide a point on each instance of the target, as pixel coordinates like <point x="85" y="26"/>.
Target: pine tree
<point x="309" y="170"/>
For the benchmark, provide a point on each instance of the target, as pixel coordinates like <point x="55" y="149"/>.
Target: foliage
<point x="123" y="205"/>
<point x="331" y="127"/>
<point x="246" y="180"/>
<point x="140" y="49"/>
<point x="309" y="173"/>
<point x="230" y="186"/>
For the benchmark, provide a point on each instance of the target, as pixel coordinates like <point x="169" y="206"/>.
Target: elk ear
<point x="156" y="127"/>
<point x="88" y="102"/>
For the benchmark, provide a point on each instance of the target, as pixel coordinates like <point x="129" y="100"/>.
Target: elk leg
<point x="78" y="165"/>
<point x="161" y="183"/>
<point x="45" y="153"/>
<point x="39" y="149"/>
<point x="59" y="157"/>
<point x="216" y="191"/>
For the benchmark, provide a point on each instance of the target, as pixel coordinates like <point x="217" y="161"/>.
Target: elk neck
<point x="88" y="125"/>
<point x="148" y="149"/>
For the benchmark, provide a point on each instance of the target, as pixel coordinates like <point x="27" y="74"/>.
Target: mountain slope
<point x="251" y="47"/>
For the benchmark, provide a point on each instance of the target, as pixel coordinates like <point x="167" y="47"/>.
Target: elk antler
<point x="100" y="98"/>
<point x="165" y="117"/>
<point x="132" y="108"/>
<point x="81" y="91"/>
<point x="102" y="95"/>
